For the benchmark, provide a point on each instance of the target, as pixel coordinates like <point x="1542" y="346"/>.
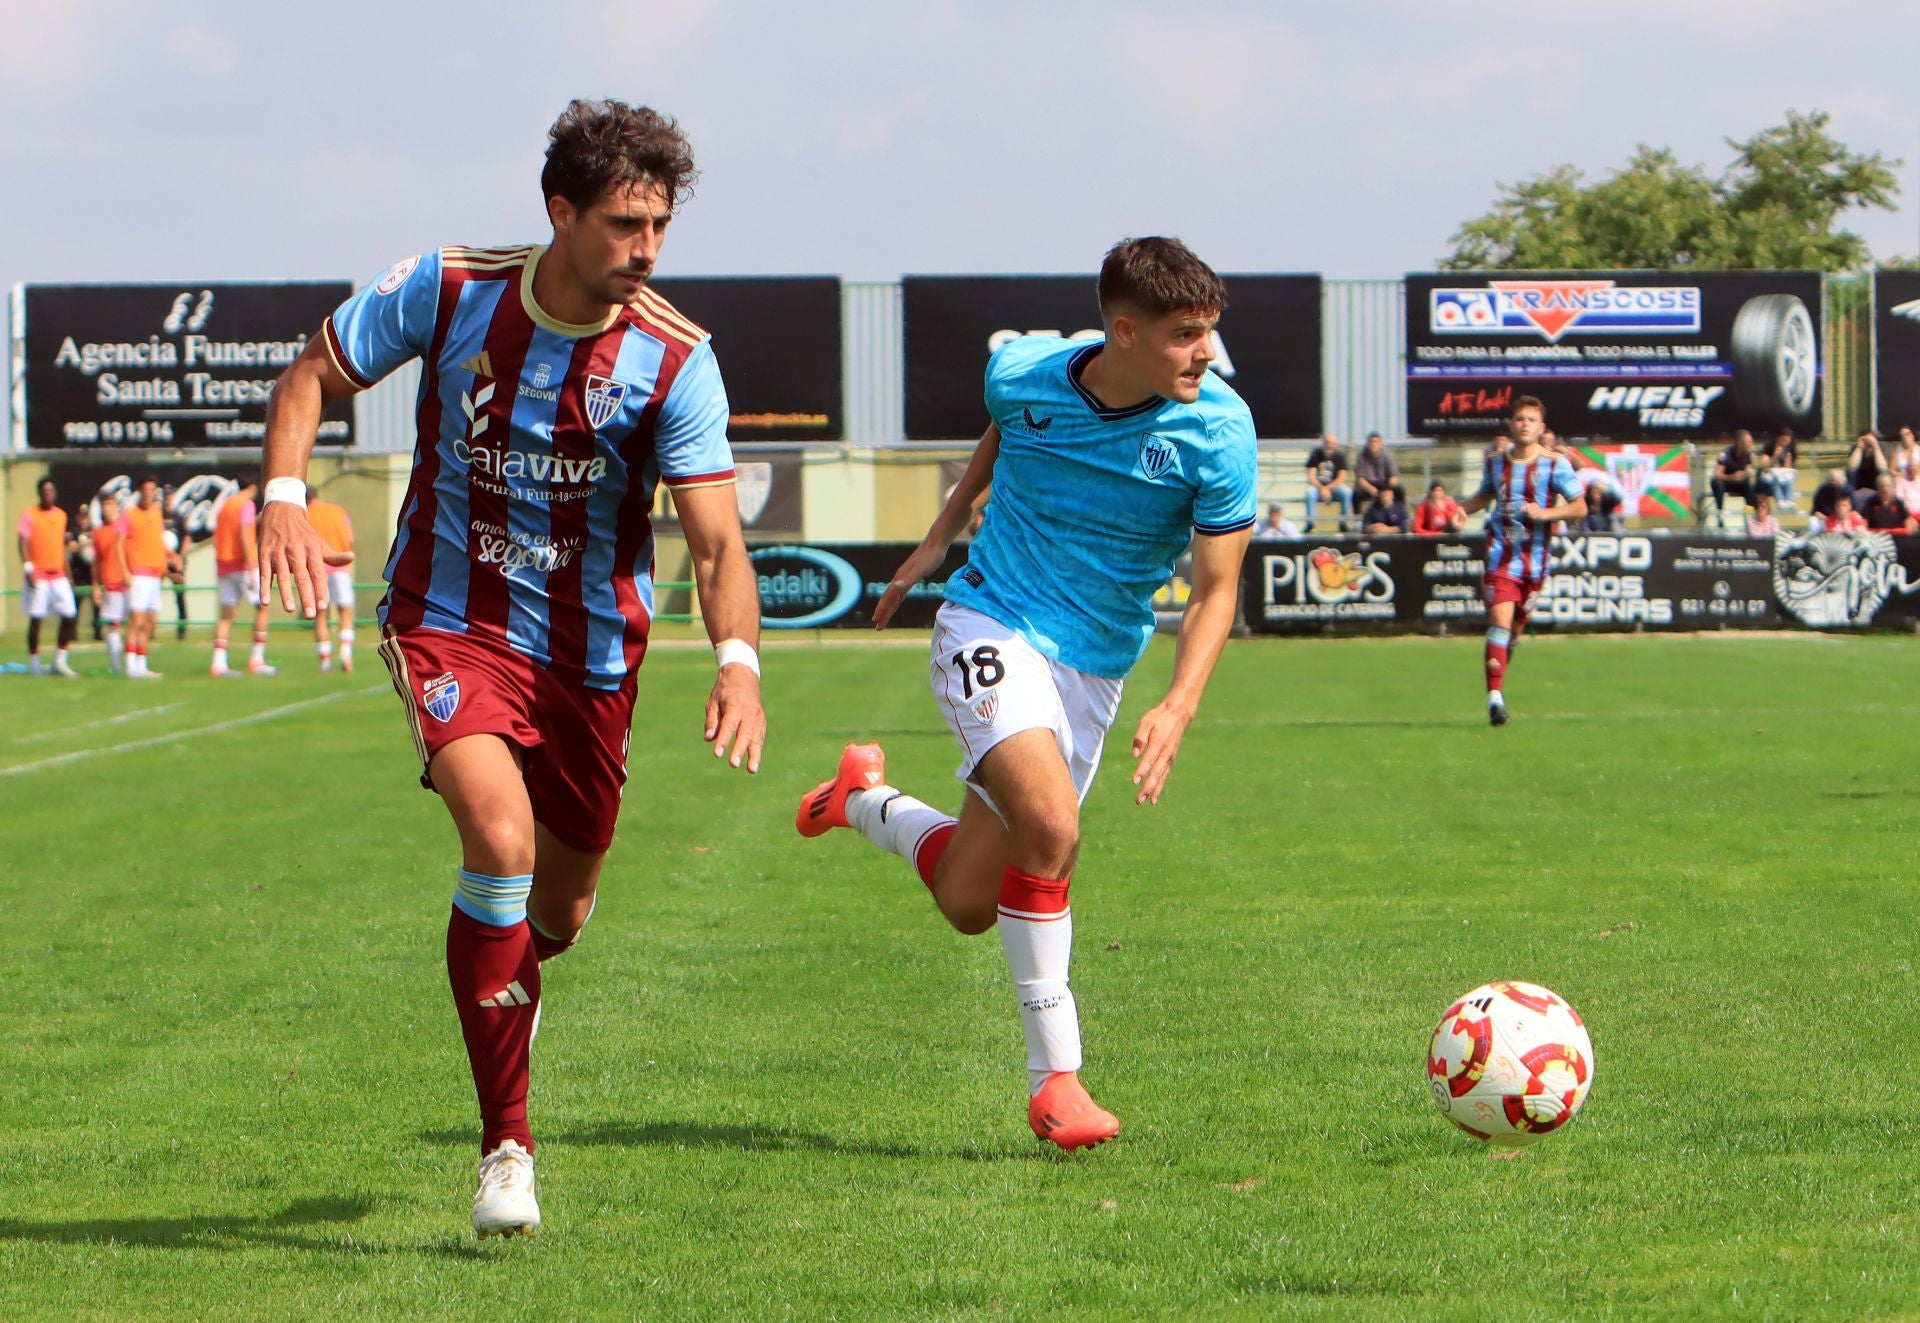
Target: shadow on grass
<point x="740" y="1138"/>
<point x="298" y="1226"/>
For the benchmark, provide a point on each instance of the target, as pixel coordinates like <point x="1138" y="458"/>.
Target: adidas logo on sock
<point x="511" y="995"/>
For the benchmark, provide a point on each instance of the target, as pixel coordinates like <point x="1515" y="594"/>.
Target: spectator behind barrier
<point x="1603" y="508"/>
<point x="1761" y="521"/>
<point x="1439" y="515"/>
<point x="1276" y="523"/>
<point x="1865" y="463"/>
<point x="1778" y="466"/>
<point x="1842" y="520"/>
<point x="1733" y="473"/>
<point x="1387" y="514"/>
<point x="1376" y="469"/>
<point x="1886" y="512"/>
<point x="1829" y="492"/>
<point x="1903" y="460"/>
<point x="1329" y="479"/>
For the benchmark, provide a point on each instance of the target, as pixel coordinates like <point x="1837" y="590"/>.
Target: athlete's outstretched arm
<point x="1203" y="632"/>
<point x="730" y="605"/>
<point x="290" y="551"/>
<point x="948" y="525"/>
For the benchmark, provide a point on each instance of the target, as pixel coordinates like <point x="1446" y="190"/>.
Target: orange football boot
<point x="1063" y="1113"/>
<point x="862" y="767"/>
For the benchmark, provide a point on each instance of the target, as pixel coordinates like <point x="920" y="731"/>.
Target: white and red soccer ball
<point x="1510" y="1062"/>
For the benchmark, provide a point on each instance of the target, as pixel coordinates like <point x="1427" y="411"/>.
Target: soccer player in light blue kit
<point x="1105" y="460"/>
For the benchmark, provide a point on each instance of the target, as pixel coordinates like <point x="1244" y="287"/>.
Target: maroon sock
<point x="495" y="977"/>
<point x="1497" y="643"/>
<point x="545" y="947"/>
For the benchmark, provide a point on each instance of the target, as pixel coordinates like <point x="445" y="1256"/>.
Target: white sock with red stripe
<point x="1036" y="932"/>
<point x="899" y="823"/>
<point x="259" y="653"/>
<point x="116" y="649"/>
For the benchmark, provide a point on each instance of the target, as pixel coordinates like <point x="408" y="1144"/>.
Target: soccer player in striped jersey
<point x="556" y="393"/>
<point x="1529" y="489"/>
<point x="1106" y="461"/>
<point x="330" y="521"/>
<point x="43" y="559"/>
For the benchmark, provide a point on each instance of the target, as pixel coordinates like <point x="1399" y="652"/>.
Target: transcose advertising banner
<point x="164" y="366"/>
<point x="1267" y="345"/>
<point x="778" y="342"/>
<point x="1615" y="354"/>
<point x="1896" y="349"/>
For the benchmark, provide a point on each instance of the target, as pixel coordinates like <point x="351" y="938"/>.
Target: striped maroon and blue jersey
<point x="1516" y="546"/>
<point x="528" y="515"/>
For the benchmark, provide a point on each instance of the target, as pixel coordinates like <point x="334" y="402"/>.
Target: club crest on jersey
<point x="1156" y="454"/>
<point x="441" y="697"/>
<point x="987" y="707"/>
<point x="604" y="396"/>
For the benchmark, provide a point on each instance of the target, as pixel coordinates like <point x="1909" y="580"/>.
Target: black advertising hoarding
<point x="1599" y="581"/>
<point x="165" y="366"/>
<point x="1268" y="344"/>
<point x="836" y="585"/>
<point x="191" y="492"/>
<point x="1896" y="349"/>
<point x="778" y="342"/>
<point x="1614" y="353"/>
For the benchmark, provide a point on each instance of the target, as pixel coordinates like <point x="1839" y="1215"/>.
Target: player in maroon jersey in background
<point x="556" y="392"/>
<point x="1521" y="486"/>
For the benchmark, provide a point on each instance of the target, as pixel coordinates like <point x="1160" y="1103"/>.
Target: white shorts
<point x="54" y="594"/>
<point x="340" y="593"/>
<point x="143" y="593"/>
<point x="991" y="684"/>
<point x="239" y="588"/>
<point x="113" y="605"/>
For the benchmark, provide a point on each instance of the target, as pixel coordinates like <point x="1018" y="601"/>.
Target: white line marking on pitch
<point x="195" y="733"/>
<point x="94" y="725"/>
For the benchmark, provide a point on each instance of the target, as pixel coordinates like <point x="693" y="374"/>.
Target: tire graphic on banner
<point x="1775" y="361"/>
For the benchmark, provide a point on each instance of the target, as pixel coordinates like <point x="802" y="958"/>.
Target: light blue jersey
<point x="1092" y="506"/>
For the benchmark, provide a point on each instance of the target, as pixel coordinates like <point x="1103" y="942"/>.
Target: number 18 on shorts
<point x="993" y="684"/>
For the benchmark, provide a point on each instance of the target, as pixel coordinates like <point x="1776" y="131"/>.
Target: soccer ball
<point x="1510" y="1062"/>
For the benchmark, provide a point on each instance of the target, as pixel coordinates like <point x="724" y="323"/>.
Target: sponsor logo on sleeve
<point x="397" y="274"/>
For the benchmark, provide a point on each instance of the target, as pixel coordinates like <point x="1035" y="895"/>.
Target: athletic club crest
<point x="441" y="697"/>
<point x="988" y="705"/>
<point x="604" y="396"/>
<point x="753" y="484"/>
<point x="1156" y="454"/>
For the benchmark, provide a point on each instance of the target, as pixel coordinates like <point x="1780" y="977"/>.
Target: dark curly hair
<point x="598" y="145"/>
<point x="1159" y="276"/>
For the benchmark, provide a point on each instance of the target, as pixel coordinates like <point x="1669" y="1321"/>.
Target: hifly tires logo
<point x="804" y="587"/>
<point x="1551" y="309"/>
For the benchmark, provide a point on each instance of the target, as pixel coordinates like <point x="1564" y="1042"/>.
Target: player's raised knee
<point x="502" y="846"/>
<point x="1046" y="840"/>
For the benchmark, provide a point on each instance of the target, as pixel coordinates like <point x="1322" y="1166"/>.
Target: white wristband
<point x="728" y="651"/>
<point x="290" y="490"/>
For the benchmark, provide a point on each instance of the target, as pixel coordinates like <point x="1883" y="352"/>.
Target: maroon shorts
<point x="1498" y="586"/>
<point x="574" y="738"/>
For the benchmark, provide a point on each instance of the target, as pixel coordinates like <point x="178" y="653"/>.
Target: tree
<point x="1776" y="206"/>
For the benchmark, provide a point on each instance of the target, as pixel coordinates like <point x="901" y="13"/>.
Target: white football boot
<point x="504" y="1204"/>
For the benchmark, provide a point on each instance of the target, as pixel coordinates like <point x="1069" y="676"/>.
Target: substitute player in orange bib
<point x="330" y="521"/>
<point x="237" y="564"/>
<point x="144" y="531"/>
<point x="43" y="558"/>
<point x="110" y="580"/>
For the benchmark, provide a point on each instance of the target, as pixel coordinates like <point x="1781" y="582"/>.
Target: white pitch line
<point x="95" y="725"/>
<point x="269" y="715"/>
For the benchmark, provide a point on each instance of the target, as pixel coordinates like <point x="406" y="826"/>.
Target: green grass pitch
<point x="771" y="1084"/>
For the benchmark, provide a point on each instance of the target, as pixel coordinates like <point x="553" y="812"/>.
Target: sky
<point x="875" y="138"/>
